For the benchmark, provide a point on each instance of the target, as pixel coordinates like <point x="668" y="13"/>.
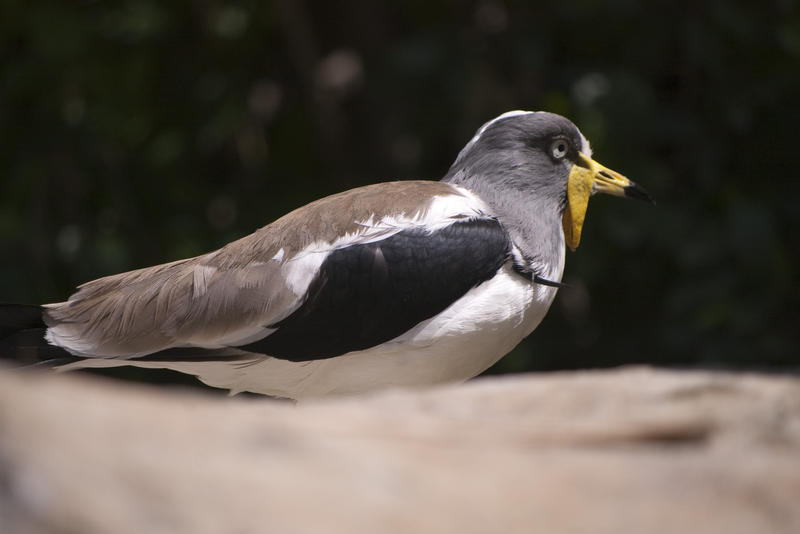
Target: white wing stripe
<point x="299" y="270"/>
<point x="202" y="275"/>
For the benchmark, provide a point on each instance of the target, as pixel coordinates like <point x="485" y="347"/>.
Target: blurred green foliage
<point x="137" y="132"/>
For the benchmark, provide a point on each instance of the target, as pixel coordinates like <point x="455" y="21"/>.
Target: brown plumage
<point x="200" y="300"/>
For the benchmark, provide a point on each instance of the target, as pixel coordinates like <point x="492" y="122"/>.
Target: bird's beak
<point x="586" y="178"/>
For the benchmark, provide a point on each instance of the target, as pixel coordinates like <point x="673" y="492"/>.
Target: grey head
<point x="520" y="153"/>
<point x="535" y="169"/>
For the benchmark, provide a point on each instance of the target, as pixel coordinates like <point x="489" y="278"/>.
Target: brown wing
<point x="227" y="297"/>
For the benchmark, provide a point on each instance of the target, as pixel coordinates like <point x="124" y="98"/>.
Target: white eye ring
<point x="559" y="148"/>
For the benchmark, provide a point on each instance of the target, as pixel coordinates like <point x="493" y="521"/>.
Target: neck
<point x="532" y="220"/>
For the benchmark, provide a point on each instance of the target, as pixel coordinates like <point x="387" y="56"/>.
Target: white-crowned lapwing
<point x="394" y="284"/>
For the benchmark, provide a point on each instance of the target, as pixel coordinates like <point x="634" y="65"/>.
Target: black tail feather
<point x="16" y="317"/>
<point x="22" y="341"/>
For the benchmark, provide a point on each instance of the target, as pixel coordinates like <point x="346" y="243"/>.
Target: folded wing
<point x="340" y="274"/>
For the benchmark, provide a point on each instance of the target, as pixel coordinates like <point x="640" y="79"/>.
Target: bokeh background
<point x="137" y="132"/>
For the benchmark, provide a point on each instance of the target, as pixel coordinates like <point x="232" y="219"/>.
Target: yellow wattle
<point x="579" y="189"/>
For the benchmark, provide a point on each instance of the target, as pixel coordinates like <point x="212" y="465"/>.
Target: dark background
<point x="133" y="133"/>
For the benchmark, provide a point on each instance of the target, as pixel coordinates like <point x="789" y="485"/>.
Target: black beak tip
<point x="639" y="193"/>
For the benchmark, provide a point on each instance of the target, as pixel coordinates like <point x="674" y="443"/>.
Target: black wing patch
<point x="370" y="293"/>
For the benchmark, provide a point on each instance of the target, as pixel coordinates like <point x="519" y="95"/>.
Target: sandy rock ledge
<point x="627" y="450"/>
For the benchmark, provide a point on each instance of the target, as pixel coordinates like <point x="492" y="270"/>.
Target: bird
<point x="396" y="284"/>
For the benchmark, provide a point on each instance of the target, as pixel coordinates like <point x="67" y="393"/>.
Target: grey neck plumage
<point x="530" y="210"/>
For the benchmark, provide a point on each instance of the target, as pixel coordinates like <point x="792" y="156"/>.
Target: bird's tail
<point x="22" y="341"/>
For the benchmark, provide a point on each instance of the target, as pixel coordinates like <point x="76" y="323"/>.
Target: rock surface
<point x="627" y="450"/>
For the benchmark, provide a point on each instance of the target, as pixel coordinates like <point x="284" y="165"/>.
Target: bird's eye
<point x="559" y="148"/>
